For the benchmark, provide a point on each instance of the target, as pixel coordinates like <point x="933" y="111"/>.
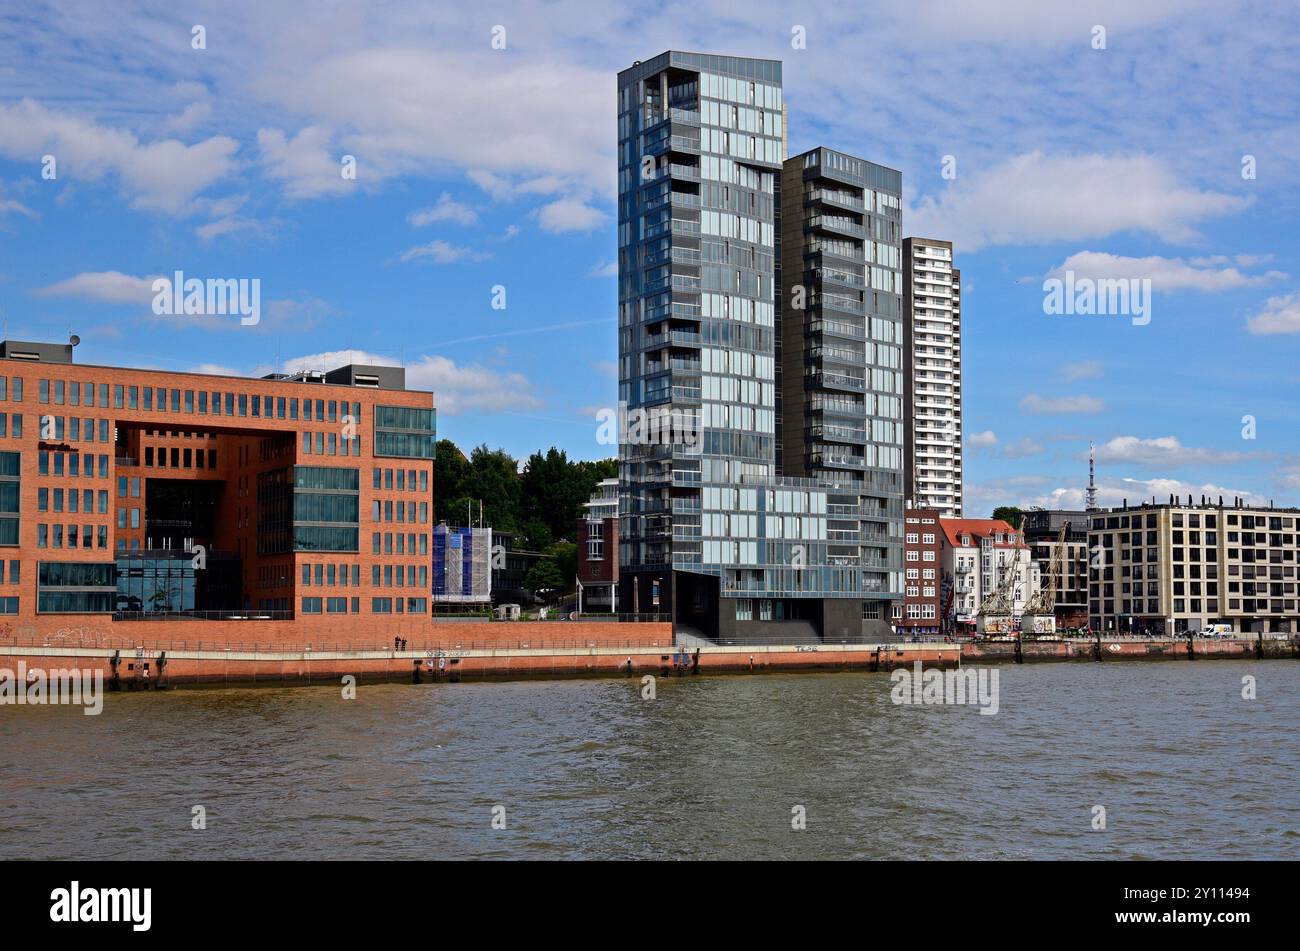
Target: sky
<point x="1156" y="141"/>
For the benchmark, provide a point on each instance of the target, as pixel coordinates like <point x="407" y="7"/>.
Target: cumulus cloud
<point x="1080" y="370"/>
<point x="982" y="440"/>
<point x="1054" y="405"/>
<point x="1281" y="315"/>
<point x="109" y="287"/>
<point x="457" y="388"/>
<point x="446" y="209"/>
<point x="307" y="164"/>
<point x="1039" y="199"/>
<point x="441" y="252"/>
<point x="1110" y="492"/>
<point x="1165" y="274"/>
<point x="1164" y="451"/>
<point x="570" y="214"/>
<point x="1021" y="448"/>
<point x="161" y="176"/>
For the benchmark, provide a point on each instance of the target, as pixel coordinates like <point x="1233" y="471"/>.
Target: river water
<point x="712" y="767"/>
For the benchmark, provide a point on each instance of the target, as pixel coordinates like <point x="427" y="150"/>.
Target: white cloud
<point x="1021" y="448"/>
<point x="1281" y="315"/>
<point x="110" y="287"/>
<point x="441" y="252"/>
<point x="604" y="269"/>
<point x="570" y="214"/>
<point x="457" y="388"/>
<point x="446" y="209"/>
<point x="1033" y="403"/>
<point x="160" y="176"/>
<point x="215" y="369"/>
<point x="982" y="440"/>
<point x="308" y="164"/>
<point x="1164" y="451"/>
<point x="1081" y="370"/>
<point x="196" y="113"/>
<point x="1165" y="274"/>
<point x="1110" y="492"/>
<point x="1039" y="199"/>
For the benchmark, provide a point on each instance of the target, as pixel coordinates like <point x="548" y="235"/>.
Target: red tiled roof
<point x="977" y="528"/>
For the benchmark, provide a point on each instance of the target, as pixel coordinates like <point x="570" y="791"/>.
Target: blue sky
<point x="479" y="167"/>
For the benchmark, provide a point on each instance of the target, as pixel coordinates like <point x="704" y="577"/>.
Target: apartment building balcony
<point x="839" y="199"/>
<point x="832" y="275"/>
<point x="831" y="380"/>
<point x="845" y="305"/>
<point x="836" y="459"/>
<point x="825" y="326"/>
<point x="838" y="225"/>
<point x="837" y="408"/>
<point x="834" y="433"/>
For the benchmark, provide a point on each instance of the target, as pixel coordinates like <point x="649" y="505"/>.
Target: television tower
<point x="1092" y="479"/>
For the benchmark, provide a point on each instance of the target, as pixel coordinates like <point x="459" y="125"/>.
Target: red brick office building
<point x="130" y="495"/>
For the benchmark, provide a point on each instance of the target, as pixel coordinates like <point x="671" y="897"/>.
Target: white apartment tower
<point x="932" y="375"/>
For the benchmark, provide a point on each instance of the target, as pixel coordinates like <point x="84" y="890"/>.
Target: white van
<point x="1216" y="630"/>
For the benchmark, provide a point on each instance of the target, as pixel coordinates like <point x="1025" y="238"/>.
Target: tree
<point x="451" y="471"/>
<point x="494" y="480"/>
<point x="535" y="535"/>
<point x="544" y="579"/>
<point x="565" y="555"/>
<point x="1009" y="514"/>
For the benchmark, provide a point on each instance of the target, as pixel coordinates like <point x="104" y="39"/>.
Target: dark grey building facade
<point x="711" y="529"/>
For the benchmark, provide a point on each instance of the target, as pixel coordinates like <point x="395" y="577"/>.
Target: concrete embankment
<point x="181" y="666"/>
<point x="524" y="650"/>
<point x="1103" y="649"/>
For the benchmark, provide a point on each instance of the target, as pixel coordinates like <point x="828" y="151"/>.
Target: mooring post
<point x="415" y="671"/>
<point x="1020" y="651"/>
<point x="1259" y="644"/>
<point x="116" y="682"/>
<point x="1191" y="645"/>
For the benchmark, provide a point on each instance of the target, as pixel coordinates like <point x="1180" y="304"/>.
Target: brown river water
<point x="712" y="767"/>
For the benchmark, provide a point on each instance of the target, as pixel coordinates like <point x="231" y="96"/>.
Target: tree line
<point x="538" y="502"/>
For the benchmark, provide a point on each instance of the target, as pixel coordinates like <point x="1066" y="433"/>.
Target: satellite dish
<point x="74" y="340"/>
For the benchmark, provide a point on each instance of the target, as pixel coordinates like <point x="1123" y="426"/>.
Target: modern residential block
<point x="932" y="369"/>
<point x="711" y="530"/>
<point x="840" y="347"/>
<point x="1171" y="568"/>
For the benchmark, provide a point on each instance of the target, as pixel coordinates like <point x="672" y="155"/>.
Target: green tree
<point x="1009" y="514"/>
<point x="544" y="580"/>
<point x="535" y="535"/>
<point x="494" y="480"/>
<point x="565" y="555"/>
<point x="450" y="479"/>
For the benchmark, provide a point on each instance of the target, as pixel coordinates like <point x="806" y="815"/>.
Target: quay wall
<point x="179" y="666"/>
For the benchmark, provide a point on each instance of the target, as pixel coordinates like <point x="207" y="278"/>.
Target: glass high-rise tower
<point x="710" y="529"/>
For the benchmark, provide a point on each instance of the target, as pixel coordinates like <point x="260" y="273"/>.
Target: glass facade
<point x="405" y="432"/>
<point x="701" y="149"/>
